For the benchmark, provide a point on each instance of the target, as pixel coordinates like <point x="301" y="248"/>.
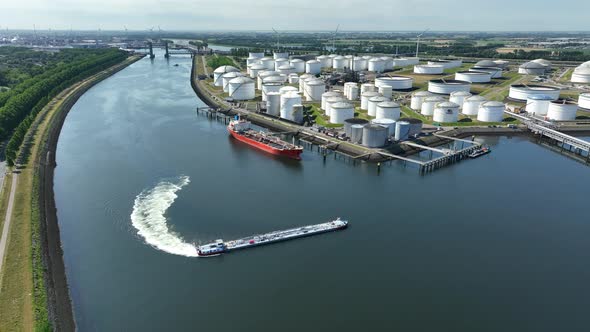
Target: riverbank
<point x="35" y="232"/>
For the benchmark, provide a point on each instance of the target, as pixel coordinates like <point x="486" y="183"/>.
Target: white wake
<point x="149" y="218"/>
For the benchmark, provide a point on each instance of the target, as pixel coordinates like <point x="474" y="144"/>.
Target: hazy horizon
<point x="303" y="16"/>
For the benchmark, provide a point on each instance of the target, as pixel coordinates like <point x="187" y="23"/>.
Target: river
<point x="499" y="243"/>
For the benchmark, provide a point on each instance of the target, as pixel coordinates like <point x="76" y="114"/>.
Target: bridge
<point x="176" y="49"/>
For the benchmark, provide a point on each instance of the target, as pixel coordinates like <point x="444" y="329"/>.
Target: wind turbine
<point x="334" y="38"/>
<point x="278" y="40"/>
<point x="418" y="41"/>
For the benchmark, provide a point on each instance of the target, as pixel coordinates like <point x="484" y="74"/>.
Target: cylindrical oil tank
<point x="288" y="100"/>
<point x="415" y="125"/>
<point x="275" y="79"/>
<point x="298" y="64"/>
<point x="339" y="62"/>
<point x="325" y="60"/>
<point x="376" y="65"/>
<point x="429" y="103"/>
<point x="402" y="130"/>
<point x="538" y="104"/>
<point x="388" y="110"/>
<point x="522" y="92"/>
<point x="281" y="62"/>
<point x="358" y="64"/>
<point x="444" y="63"/>
<point x="458" y="97"/>
<point x="314" y="90"/>
<point x="242" y="88"/>
<point x="471" y="105"/>
<point x="491" y="111"/>
<point x="270" y="87"/>
<point x="353" y="93"/>
<point x="429" y="69"/>
<point x="280" y="55"/>
<point x="288" y="88"/>
<point x="446" y="112"/>
<point x="562" y="110"/>
<point x="286" y="69"/>
<point x="293" y="78"/>
<point x="445" y="87"/>
<point x="340" y="112"/>
<point x="581" y="75"/>
<point x="269" y="63"/>
<point x="387" y="63"/>
<point x="395" y="82"/>
<point x="352" y="121"/>
<point x="356" y="133"/>
<point x="297" y="113"/>
<point x="313" y="67"/>
<point x="495" y="72"/>
<point x="389" y="124"/>
<point x="220" y="71"/>
<point x="584" y="101"/>
<point x="273" y="103"/>
<point x="347" y="87"/>
<point x="257" y="55"/>
<point x="255" y="69"/>
<point x="473" y="76"/>
<point x="532" y="68"/>
<point x="264" y="74"/>
<point x="302" y="79"/>
<point x="386" y="91"/>
<point x="412" y="61"/>
<point x="417" y="99"/>
<point x="225" y="78"/>
<point x="331" y="101"/>
<point x="366" y="87"/>
<point x="372" y="104"/>
<point x="374" y="136"/>
<point x="327" y="95"/>
<point x="365" y="99"/>
<point x="501" y="63"/>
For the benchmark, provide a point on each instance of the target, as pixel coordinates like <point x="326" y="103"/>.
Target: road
<point x="7" y="219"/>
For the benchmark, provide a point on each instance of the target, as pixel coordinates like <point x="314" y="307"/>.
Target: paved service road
<point x="6" y="228"/>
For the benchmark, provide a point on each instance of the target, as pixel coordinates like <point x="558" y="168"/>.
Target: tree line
<point x="25" y="101"/>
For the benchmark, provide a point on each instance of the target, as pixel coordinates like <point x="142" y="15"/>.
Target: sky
<point x="316" y="15"/>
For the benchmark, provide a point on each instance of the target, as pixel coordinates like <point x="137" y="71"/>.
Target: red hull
<point x="294" y="154"/>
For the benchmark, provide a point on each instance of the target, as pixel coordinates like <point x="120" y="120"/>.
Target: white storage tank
<point x="314" y="90"/>
<point x="325" y="60"/>
<point x="395" y="82"/>
<point x="501" y="63"/>
<point x="562" y="110"/>
<point x="429" y="69"/>
<point x="293" y="78"/>
<point x="273" y="103"/>
<point x="297" y="113"/>
<point x="458" y="97"/>
<point x="313" y="67"/>
<point x="388" y="124"/>
<point x="401" y="62"/>
<point x="402" y="130"/>
<point x="543" y="62"/>
<point x="445" y="87"/>
<point x="485" y="63"/>
<point x="358" y="64"/>
<point x="495" y="72"/>
<point x="418" y="98"/>
<point x="327" y="95"/>
<point x="288" y="88"/>
<point x="220" y="71"/>
<point x="298" y="64"/>
<point x="429" y="103"/>
<point x="347" y="87"/>
<point x="242" y="88"/>
<point x="269" y="63"/>
<point x="374" y="136"/>
<point x="387" y="63"/>
<point x="225" y="78"/>
<point x="584" y="101"/>
<point x="532" y="68"/>
<point x="523" y="92"/>
<point x="264" y="74"/>
<point x="365" y="99"/>
<point x="257" y="55"/>
<point x="474" y="76"/>
<point x="353" y="93"/>
<point x="581" y="75"/>
<point x="255" y="69"/>
<point x="366" y="87"/>
<point x="376" y="65"/>
<point x="302" y="80"/>
<point x="339" y="62"/>
<point x="331" y="101"/>
<point x="288" y="100"/>
<point x="356" y="133"/>
<point x="386" y="91"/>
<point x="471" y="105"/>
<point x="538" y="104"/>
<point x="352" y="121"/>
<point x="446" y="64"/>
<point x="280" y="55"/>
<point x="491" y="111"/>
<point x="411" y="61"/>
<point x="341" y="111"/>
<point x="372" y="104"/>
<point x="270" y="87"/>
<point x="388" y="110"/>
<point x="286" y="69"/>
<point x="349" y="60"/>
<point x="280" y="62"/>
<point x="446" y="112"/>
<point x="275" y="79"/>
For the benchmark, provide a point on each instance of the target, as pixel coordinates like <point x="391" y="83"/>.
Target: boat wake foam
<point x="149" y="217"/>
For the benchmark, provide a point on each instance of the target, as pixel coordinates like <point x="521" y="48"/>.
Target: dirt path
<point x="7" y="219"/>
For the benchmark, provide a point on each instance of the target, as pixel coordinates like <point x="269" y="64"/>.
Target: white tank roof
<point x="342" y="104"/>
<point x="475" y="98"/>
<point x="422" y="93"/>
<point x="460" y="94"/>
<point x="388" y="104"/>
<point x="543" y="62"/>
<point x="241" y="80"/>
<point x="448" y="104"/>
<point x="486" y="63"/>
<point x="257" y="66"/>
<point x="582" y="70"/>
<point x="313" y="61"/>
<point x="225" y="69"/>
<point x="532" y="65"/>
<point x="296" y="60"/>
<point x="493" y="103"/>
